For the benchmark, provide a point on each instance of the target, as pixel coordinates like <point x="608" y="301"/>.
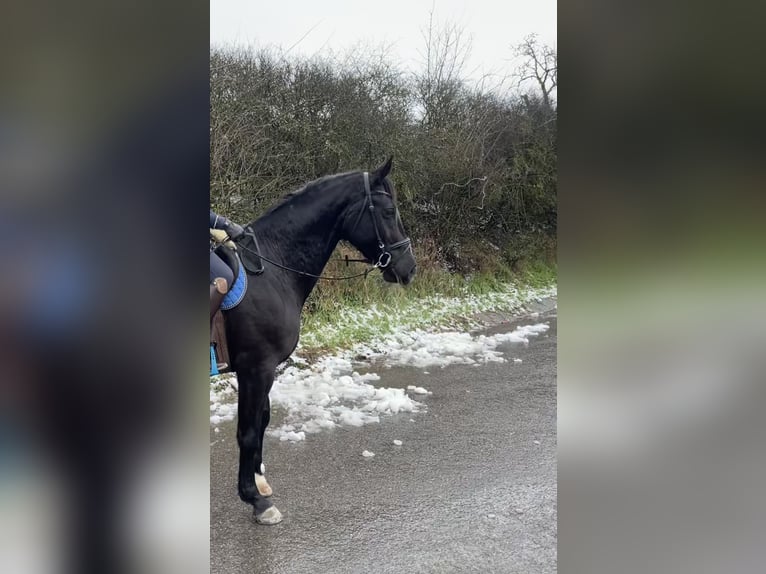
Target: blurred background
<point x="103" y="175"/>
<point x="661" y="288"/>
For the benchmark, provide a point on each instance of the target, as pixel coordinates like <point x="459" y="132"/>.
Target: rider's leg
<point x="218" y="289"/>
<point x="221" y="278"/>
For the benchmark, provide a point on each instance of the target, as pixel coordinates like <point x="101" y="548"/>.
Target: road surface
<point x="471" y="489"/>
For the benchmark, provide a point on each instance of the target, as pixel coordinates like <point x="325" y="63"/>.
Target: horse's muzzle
<point x="407" y="279"/>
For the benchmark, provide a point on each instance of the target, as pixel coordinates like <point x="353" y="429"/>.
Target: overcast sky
<point x="309" y="27"/>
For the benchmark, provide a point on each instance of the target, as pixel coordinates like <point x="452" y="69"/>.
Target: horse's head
<point x="375" y="228"/>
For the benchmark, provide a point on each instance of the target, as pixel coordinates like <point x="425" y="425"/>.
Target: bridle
<point x="384" y="259"/>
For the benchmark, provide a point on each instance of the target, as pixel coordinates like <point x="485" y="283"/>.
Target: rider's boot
<point x="218" y="289"/>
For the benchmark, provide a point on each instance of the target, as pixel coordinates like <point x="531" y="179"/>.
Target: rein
<point x="307" y="274"/>
<point x="384" y="259"/>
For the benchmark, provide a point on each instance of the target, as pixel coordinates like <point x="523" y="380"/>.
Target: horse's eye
<point x="389" y="212"/>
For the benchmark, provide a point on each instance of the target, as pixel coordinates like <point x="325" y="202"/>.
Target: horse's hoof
<point x="269" y="516"/>
<point x="263" y="487"/>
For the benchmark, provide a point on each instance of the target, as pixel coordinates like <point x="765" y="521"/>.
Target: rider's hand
<point x="235" y="231"/>
<point x="220" y="236"/>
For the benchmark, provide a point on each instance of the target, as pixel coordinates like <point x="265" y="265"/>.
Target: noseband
<point x="384" y="259"/>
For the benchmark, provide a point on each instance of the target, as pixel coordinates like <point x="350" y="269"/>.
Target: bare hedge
<point x="468" y="164"/>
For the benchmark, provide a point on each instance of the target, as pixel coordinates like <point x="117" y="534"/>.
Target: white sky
<point x="311" y="27"/>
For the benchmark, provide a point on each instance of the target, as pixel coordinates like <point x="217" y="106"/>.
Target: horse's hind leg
<point x="260" y="480"/>
<point x="254" y="384"/>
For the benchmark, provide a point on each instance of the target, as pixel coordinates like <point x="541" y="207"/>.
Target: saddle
<point x="239" y="262"/>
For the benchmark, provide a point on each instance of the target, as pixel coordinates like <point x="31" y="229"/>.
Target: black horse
<point x="296" y="239"/>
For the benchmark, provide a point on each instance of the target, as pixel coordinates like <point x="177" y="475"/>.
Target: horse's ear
<point x="384" y="169"/>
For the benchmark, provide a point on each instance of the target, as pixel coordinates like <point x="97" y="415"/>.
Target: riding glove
<point x="235" y="231"/>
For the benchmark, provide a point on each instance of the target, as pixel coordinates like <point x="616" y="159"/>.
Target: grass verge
<point x="360" y="311"/>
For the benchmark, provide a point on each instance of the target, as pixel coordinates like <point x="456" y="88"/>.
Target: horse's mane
<point x="310" y="186"/>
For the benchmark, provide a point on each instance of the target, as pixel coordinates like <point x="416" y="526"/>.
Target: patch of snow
<point x="423" y="349"/>
<point x="322" y="394"/>
<point x="293" y="436"/>
<point x="367" y="454"/>
<point x="397" y="442"/>
<point x="522" y="334"/>
<point x="330" y="393"/>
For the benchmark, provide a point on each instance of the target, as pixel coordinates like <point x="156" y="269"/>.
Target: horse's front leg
<point x="254" y="385"/>
<point x="260" y="480"/>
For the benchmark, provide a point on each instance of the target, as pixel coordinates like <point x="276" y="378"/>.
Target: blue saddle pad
<point x="237" y="292"/>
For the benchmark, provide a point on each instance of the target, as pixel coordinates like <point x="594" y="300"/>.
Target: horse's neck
<point x="303" y="234"/>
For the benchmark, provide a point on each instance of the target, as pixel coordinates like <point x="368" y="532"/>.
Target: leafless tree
<point x="445" y="53"/>
<point x="540" y="66"/>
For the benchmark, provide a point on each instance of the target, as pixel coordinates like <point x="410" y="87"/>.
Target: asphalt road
<point x="472" y="488"/>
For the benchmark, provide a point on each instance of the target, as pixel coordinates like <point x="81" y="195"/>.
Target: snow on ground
<point x="321" y="396"/>
<point x="424" y="349"/>
<point x="436" y="311"/>
<point x="330" y="392"/>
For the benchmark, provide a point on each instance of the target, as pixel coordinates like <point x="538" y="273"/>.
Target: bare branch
<point x="540" y="65"/>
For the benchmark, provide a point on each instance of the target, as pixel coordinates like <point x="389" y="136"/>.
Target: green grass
<point x="340" y="315"/>
<point x="539" y="274"/>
